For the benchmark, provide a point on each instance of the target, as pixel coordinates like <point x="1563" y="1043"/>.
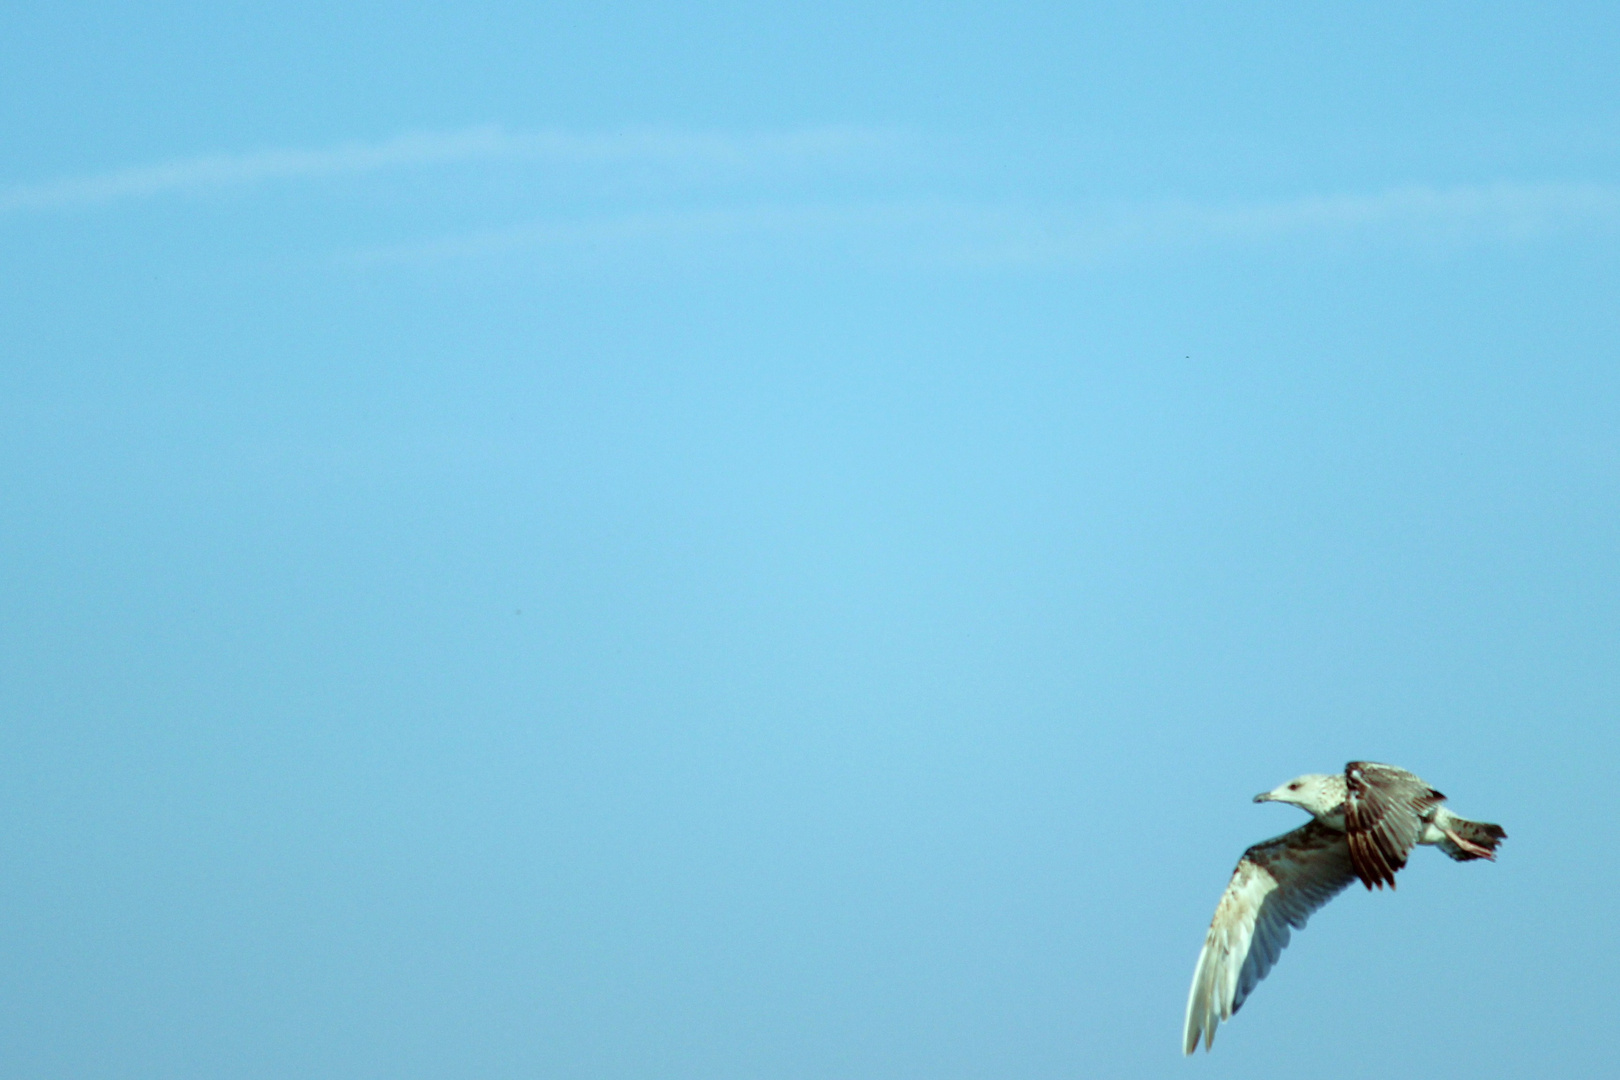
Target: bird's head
<point x="1317" y="793"/>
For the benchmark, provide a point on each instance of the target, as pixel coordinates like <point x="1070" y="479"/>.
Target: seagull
<point x="1363" y="824"/>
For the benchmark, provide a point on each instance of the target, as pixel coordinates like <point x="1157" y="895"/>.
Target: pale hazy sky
<point x="777" y="542"/>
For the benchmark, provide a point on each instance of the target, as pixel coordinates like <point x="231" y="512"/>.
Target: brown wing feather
<point x="1385" y="812"/>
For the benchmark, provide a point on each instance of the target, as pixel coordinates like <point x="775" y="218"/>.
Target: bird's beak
<point x="1264" y="796"/>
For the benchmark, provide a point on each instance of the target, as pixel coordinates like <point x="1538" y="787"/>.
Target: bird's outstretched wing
<point x="1383" y="818"/>
<point x="1277" y="884"/>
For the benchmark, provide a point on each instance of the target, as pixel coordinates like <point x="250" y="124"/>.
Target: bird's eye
<point x="1293" y="787"/>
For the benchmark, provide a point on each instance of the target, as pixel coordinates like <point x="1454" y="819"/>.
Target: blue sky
<point x="779" y="541"/>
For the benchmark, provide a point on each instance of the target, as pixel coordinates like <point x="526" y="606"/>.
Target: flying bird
<point x="1363" y="824"/>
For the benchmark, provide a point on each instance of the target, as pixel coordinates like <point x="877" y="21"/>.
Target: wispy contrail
<point x="987" y="234"/>
<point x="489" y="142"/>
<point x="1502" y="210"/>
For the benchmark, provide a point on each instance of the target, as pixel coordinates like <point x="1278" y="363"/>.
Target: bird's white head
<point x="1318" y="793"/>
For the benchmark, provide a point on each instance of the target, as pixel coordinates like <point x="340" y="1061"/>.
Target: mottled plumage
<point x="1386" y="811"/>
<point x="1364" y="823"/>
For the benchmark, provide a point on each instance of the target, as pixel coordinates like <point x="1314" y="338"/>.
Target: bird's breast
<point x="1333" y="819"/>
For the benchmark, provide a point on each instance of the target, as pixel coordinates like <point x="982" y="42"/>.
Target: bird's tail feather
<point x="1479" y="839"/>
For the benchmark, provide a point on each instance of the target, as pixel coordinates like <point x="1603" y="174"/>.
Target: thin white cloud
<point x="983" y="234"/>
<point x="1412" y="214"/>
<point x="672" y="149"/>
<point x="672" y="230"/>
<point x="1501" y="210"/>
<point x="935" y="231"/>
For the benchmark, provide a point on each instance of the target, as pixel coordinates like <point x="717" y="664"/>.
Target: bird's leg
<point x="1469" y="846"/>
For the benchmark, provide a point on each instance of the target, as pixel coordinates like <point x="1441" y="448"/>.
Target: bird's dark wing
<point x="1384" y="814"/>
<point x="1277" y="884"/>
